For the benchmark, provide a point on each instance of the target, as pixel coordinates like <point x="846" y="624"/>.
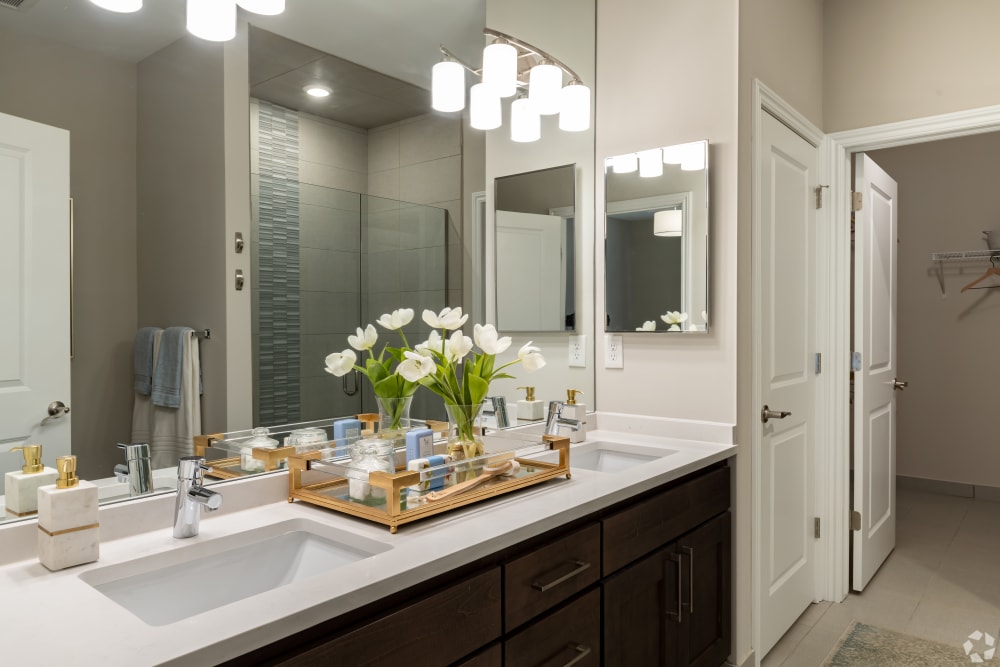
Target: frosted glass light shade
<point x="500" y="68"/>
<point x="673" y="154"/>
<point x="525" y="123"/>
<point x="574" y="108"/>
<point x="448" y="86"/>
<point x="650" y="163"/>
<point x="264" y="7"/>
<point x="694" y="157"/>
<point x="214" y="20"/>
<point x="544" y="87"/>
<point x="121" y="6"/>
<point x="625" y="164"/>
<point x="484" y="108"/>
<point x="668" y="223"/>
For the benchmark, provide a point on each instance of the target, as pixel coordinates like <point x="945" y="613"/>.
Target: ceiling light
<point x="317" y="91"/>
<point x="122" y="6"/>
<point x="668" y="223"/>
<point x="525" y="123"/>
<point x="500" y="68"/>
<point x="544" y="84"/>
<point x="484" y="108"/>
<point x="448" y="86"/>
<point x="625" y="164"/>
<point x="574" y="107"/>
<point x="650" y="163"/>
<point x="264" y="7"/>
<point x="214" y="20"/>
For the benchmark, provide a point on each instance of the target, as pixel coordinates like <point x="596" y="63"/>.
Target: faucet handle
<point x="191" y="467"/>
<point x="207" y="498"/>
<point x="136" y="450"/>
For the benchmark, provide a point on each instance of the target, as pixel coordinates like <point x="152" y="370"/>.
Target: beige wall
<point x="94" y="97"/>
<point x="948" y="419"/>
<point x="892" y="60"/>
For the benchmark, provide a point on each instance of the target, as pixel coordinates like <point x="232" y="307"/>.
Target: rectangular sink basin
<point x="610" y="457"/>
<point x="166" y="587"/>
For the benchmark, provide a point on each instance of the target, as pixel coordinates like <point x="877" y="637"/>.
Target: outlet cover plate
<point x="578" y="351"/>
<point x="613" y="352"/>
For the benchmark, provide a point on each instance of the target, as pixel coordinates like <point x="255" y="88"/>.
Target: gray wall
<point x="94" y="97"/>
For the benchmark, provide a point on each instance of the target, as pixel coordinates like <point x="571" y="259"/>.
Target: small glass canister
<point x="307" y="440"/>
<point x="369" y="455"/>
<point x="260" y="440"/>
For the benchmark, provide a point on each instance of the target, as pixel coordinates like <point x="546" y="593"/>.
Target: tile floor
<point x="941" y="582"/>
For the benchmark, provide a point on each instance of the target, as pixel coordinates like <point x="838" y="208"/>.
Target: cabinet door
<point x="641" y="612"/>
<point x="704" y="638"/>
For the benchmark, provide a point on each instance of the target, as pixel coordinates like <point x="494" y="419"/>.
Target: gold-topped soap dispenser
<point x="578" y="411"/>
<point x="22" y="487"/>
<point x="528" y="408"/>
<point x="68" y="525"/>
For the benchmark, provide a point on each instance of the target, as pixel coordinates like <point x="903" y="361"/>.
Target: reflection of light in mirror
<point x="500" y="67"/>
<point x="263" y="7"/>
<point x="650" y="163"/>
<point x="448" y="86"/>
<point x="574" y="111"/>
<point x="674" y="154"/>
<point x="317" y="91"/>
<point x="544" y="84"/>
<point x="625" y="164"/>
<point x="525" y="123"/>
<point x="668" y="223"/>
<point x="694" y="157"/>
<point x="484" y="108"/>
<point x="122" y="6"/>
<point x="214" y="20"/>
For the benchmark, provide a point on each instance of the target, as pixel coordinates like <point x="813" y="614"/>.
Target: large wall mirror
<point x="535" y="250"/>
<point x="656" y="240"/>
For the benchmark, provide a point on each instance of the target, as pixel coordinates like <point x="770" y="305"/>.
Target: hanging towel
<point x="144" y="359"/>
<point x="169" y="366"/>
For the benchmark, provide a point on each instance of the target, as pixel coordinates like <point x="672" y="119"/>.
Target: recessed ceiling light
<point x="317" y="91"/>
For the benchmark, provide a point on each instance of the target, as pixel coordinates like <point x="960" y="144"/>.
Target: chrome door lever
<point x="767" y="413"/>
<point x="899" y="385"/>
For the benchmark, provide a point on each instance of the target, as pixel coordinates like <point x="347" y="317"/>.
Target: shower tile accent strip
<point x="278" y="267"/>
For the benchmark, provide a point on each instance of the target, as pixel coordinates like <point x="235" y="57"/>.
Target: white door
<point x="875" y="341"/>
<point x="531" y="272"/>
<point x="785" y="312"/>
<point x="34" y="287"/>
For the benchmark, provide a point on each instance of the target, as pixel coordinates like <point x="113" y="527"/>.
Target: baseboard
<point x="747" y="661"/>
<point x="960" y="489"/>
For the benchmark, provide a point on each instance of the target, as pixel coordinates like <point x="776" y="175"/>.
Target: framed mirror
<point x="535" y="240"/>
<point x="657" y="240"/>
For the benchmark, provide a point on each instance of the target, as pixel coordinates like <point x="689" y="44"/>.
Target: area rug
<point x="868" y="646"/>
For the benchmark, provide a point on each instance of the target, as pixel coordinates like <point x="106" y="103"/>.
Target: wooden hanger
<point x="992" y="271"/>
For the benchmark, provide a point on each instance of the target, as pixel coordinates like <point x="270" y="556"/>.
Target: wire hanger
<point x="992" y="271"/>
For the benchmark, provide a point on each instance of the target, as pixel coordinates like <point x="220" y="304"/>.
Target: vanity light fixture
<point x="263" y="7"/>
<point x="668" y="223"/>
<point x="317" y="91"/>
<point x="120" y="6"/>
<point x="625" y="164"/>
<point x="509" y="66"/>
<point x="690" y="156"/>
<point x="651" y="163"/>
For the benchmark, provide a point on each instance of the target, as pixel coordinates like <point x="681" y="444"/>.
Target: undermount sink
<point x="611" y="457"/>
<point x="166" y="587"/>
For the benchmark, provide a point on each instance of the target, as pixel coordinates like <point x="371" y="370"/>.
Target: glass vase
<point x="393" y="414"/>
<point x="464" y="432"/>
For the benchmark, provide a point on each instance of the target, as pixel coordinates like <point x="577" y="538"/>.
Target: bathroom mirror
<point x="535" y="258"/>
<point x="657" y="240"/>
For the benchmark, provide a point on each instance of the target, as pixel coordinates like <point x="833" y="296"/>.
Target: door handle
<point x="354" y="389"/>
<point x="56" y="410"/>
<point x="690" y="554"/>
<point x="899" y="385"/>
<point x="767" y="413"/>
<point x="679" y="614"/>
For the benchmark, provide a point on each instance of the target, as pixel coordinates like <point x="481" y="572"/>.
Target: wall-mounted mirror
<point x="656" y="240"/>
<point x="535" y="258"/>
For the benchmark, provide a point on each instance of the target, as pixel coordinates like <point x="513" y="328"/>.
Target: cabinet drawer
<point x="570" y="636"/>
<point x="651" y="523"/>
<point x="543" y="578"/>
<point x="437" y="630"/>
<point x="490" y="657"/>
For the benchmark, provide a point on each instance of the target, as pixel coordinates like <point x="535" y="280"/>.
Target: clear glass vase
<point x="464" y="431"/>
<point x="393" y="414"/>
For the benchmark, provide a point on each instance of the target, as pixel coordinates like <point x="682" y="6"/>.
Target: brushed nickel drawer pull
<point x="581" y="650"/>
<point x="690" y="554"/>
<point x="580" y="567"/>
<point x="680" y="585"/>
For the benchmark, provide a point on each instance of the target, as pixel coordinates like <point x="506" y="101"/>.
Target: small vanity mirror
<point x="656" y="240"/>
<point x="535" y="256"/>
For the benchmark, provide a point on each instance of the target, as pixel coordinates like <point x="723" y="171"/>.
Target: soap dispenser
<point x="68" y="529"/>
<point x="578" y="411"/>
<point x="528" y="408"/>
<point x="22" y="487"/>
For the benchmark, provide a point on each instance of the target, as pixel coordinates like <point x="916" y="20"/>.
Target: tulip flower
<point x="456" y="347"/>
<point x="488" y="339"/>
<point x="415" y="366"/>
<point x="449" y="318"/>
<point x="530" y="357"/>
<point x="648" y="325"/>
<point x="674" y="317"/>
<point x="340" y="363"/>
<point x="397" y="319"/>
<point x="365" y="340"/>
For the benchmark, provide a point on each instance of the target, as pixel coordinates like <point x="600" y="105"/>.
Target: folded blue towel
<point x="144" y="359"/>
<point x="168" y="373"/>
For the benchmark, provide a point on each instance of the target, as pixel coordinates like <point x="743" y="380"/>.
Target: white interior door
<point x="531" y="272"/>
<point x="34" y="287"/>
<point x="785" y="322"/>
<point x="875" y="341"/>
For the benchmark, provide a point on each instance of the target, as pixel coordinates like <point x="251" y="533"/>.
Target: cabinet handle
<point x="690" y="554"/>
<point x="581" y="651"/>
<point x="580" y="567"/>
<point x="679" y="613"/>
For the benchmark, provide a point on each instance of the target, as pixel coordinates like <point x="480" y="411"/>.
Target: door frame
<point x="833" y="297"/>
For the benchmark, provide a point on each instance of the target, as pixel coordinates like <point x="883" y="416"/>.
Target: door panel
<point x="787" y="342"/>
<point x="875" y="340"/>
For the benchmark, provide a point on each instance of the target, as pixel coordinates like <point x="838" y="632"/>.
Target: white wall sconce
<point x="213" y="20"/>
<point x="668" y="223"/>
<point x="509" y="66"/>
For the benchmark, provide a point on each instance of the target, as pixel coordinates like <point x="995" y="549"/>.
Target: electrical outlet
<point x="578" y="351"/>
<point x="613" y="354"/>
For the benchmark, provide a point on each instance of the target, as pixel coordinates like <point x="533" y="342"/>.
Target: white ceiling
<point x="399" y="38"/>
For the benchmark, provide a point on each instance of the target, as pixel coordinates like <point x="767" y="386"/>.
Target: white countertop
<point x="44" y="612"/>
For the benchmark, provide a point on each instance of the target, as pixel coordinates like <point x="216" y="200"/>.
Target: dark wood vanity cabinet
<point x="646" y="582"/>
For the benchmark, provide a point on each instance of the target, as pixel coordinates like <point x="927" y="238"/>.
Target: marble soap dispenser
<point x="22" y="487"/>
<point x="68" y="529"/>
<point x="528" y="408"/>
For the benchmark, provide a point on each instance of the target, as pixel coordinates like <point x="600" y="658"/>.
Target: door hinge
<point x="819" y="195"/>
<point x="819" y="363"/>
<point x="816" y="528"/>
<point x="856" y="199"/>
<point x="855" y="520"/>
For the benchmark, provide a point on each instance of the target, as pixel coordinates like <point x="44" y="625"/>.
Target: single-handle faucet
<point x="137" y="470"/>
<point x="192" y="496"/>
<point x="555" y="419"/>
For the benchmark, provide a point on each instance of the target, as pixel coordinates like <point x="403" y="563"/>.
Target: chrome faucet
<point x="137" y="471"/>
<point x="555" y="419"/>
<point x="192" y="496"/>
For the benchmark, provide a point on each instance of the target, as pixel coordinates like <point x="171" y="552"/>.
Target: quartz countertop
<point x="44" y="611"/>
